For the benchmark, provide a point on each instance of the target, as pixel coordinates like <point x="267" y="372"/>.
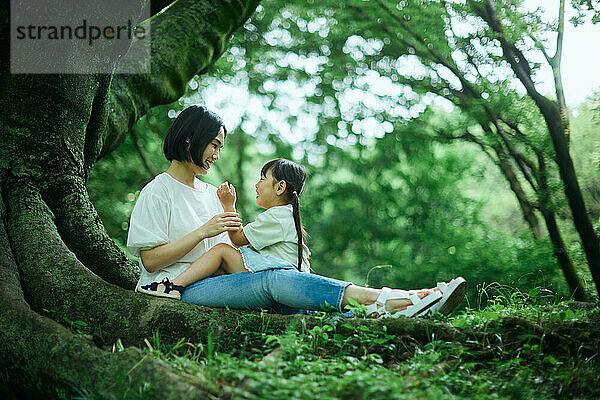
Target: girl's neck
<point x="282" y="203"/>
<point x="182" y="173"/>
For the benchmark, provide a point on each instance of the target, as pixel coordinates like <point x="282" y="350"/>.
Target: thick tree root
<point x="82" y="231"/>
<point x="42" y="359"/>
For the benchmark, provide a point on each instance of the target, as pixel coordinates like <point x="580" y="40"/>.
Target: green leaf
<point x="550" y="360"/>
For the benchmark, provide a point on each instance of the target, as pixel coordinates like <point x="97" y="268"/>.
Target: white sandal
<point x="418" y="306"/>
<point x="453" y="294"/>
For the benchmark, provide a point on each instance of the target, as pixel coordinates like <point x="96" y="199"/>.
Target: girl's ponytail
<point x="298" y="223"/>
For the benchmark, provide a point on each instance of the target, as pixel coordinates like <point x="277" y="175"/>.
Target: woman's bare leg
<point x="220" y="256"/>
<point x="366" y="296"/>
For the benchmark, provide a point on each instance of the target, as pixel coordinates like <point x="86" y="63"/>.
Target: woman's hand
<point x="227" y="196"/>
<point x="227" y="221"/>
<point x="166" y="254"/>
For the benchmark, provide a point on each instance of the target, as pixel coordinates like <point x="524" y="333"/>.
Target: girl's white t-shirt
<point x="273" y="233"/>
<point x="167" y="210"/>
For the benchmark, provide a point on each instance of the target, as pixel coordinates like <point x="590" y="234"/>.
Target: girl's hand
<point x="226" y="194"/>
<point x="227" y="221"/>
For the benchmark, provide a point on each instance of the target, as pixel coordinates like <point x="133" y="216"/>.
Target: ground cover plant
<point x="520" y="345"/>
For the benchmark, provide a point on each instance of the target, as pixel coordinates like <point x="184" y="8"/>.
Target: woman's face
<point x="210" y="154"/>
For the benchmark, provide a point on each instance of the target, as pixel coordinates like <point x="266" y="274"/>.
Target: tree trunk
<point x="515" y="186"/>
<point x="562" y="255"/>
<point x="583" y="224"/>
<point x="560" y="251"/>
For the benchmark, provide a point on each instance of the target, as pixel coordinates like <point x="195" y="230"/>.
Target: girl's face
<point x="269" y="192"/>
<point x="210" y="154"/>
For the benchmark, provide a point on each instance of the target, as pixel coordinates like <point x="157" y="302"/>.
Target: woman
<point x="177" y="218"/>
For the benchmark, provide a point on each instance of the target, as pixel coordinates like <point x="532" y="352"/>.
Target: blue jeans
<point x="285" y="291"/>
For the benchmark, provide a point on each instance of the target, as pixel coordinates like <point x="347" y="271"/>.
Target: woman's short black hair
<point x="193" y="129"/>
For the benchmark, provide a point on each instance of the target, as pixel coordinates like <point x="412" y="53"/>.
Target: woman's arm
<point x="164" y="255"/>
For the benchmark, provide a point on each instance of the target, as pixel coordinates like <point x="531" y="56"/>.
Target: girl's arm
<point x="238" y="238"/>
<point x="164" y="255"/>
<point x="227" y="196"/>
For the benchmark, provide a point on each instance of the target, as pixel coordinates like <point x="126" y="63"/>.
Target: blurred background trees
<point x="427" y="158"/>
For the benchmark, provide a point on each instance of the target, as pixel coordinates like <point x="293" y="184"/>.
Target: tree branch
<point x="186" y="39"/>
<point x="556" y="70"/>
<point x="524" y="139"/>
<point x="560" y="35"/>
<point x="519" y="157"/>
<point x="450" y="65"/>
<point x="136" y="143"/>
<point x="527" y="208"/>
<point x="540" y="46"/>
<point x="513" y="55"/>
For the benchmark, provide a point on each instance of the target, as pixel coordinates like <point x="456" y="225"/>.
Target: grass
<point x="522" y="346"/>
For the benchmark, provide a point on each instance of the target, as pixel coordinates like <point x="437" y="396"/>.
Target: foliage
<point x="364" y="70"/>
<point x="586" y="9"/>
<point x="320" y="363"/>
<point x="336" y="90"/>
<point x="586" y="153"/>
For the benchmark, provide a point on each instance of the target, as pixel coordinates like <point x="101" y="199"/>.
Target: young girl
<point x="276" y="237"/>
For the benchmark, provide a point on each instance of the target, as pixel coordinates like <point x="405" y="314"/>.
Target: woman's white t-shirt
<point x="273" y="233"/>
<point x="167" y="210"/>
